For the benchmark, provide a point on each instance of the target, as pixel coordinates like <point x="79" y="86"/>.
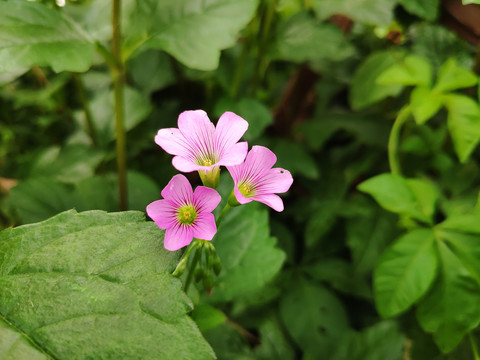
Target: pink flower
<point x="256" y="180"/>
<point x="199" y="146"/>
<point x="185" y="214"/>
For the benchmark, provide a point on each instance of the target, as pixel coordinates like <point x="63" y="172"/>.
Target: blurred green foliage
<point x="377" y="254"/>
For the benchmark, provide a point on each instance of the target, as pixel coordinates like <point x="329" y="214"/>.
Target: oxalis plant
<point x="434" y="264"/>
<point x="186" y="214"/>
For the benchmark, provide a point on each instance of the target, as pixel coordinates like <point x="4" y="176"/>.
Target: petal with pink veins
<point x="206" y="199"/>
<point x="178" y="191"/>
<point x="272" y="200"/>
<point x="276" y="180"/>
<point x="173" y="142"/>
<point x="177" y="237"/>
<point x="204" y="226"/>
<point x="234" y="155"/>
<point x="184" y="164"/>
<point x="259" y="160"/>
<point x="198" y="131"/>
<point x="163" y="213"/>
<point x="230" y="128"/>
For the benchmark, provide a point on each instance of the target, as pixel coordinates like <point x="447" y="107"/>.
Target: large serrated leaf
<point x="195" y="31"/>
<point x="452" y="308"/>
<point x="33" y="34"/>
<point x="405" y="272"/>
<point x="96" y="285"/>
<point x="248" y="253"/>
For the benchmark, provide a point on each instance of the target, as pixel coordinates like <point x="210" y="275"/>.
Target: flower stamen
<point x="187" y="214"/>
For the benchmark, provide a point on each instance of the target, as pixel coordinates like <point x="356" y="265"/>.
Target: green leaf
<point x="16" y="346"/>
<point x="452" y="77"/>
<point x="426" y="9"/>
<point x="466" y="2"/>
<point x="274" y="344"/>
<point x="381" y="341"/>
<point x="33" y="34"/>
<point x="365" y="90"/>
<point x="207" y="317"/>
<point x="37" y="199"/>
<point x="92" y="284"/>
<point x="405" y="272"/>
<point x="301" y="38"/>
<point x="195" y="31"/>
<point x="452" y="308"/>
<point x="294" y="157"/>
<point x="424" y="104"/>
<point x="70" y="164"/>
<point x="463" y="124"/>
<point x="411" y="197"/>
<point x="438" y="44"/>
<point x="252" y="110"/>
<point x="314" y="317"/>
<point x="137" y="108"/>
<point x="151" y="70"/>
<point x="413" y="70"/>
<point x="378" y="12"/>
<point x="251" y="260"/>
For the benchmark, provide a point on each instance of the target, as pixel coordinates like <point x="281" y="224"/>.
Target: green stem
<point x="262" y="63"/>
<point x="118" y="85"/>
<point x="474" y="346"/>
<point x="224" y="210"/>
<point x="394" y="139"/>
<point x="193" y="265"/>
<point x="86" y="109"/>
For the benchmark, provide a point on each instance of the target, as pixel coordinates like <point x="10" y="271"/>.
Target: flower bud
<point x="180" y="267"/>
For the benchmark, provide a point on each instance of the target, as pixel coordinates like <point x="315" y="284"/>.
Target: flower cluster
<point x="197" y="145"/>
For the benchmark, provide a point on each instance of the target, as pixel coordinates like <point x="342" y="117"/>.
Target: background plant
<point x="361" y="101"/>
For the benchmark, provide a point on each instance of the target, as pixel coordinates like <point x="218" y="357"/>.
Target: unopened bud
<point x="198" y="275"/>
<point x="208" y="283"/>
<point x="180" y="268"/>
<point x="217" y="265"/>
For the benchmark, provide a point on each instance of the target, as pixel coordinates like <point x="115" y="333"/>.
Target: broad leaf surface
<point x="33" y="34"/>
<point x="96" y="285"/>
<point x="463" y="124"/>
<point x="365" y="90"/>
<point x="426" y="9"/>
<point x="373" y="13"/>
<point x="424" y="103"/>
<point x="452" y="308"/>
<point x="247" y="251"/>
<point x="412" y="197"/>
<point x="405" y="272"/>
<point x="302" y="38"/>
<point x="314" y="318"/>
<point x="452" y="77"/>
<point x="15" y="346"/>
<point x="193" y="31"/>
<point x="413" y="70"/>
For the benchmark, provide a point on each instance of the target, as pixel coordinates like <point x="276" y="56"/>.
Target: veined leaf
<point x="452" y="77"/>
<point x="463" y="124"/>
<point x="194" y="31"/>
<point x="412" y="197"/>
<point x="452" y="308"/>
<point x="96" y="285"/>
<point x="248" y="253"/>
<point x="405" y="272"/>
<point x="33" y="34"/>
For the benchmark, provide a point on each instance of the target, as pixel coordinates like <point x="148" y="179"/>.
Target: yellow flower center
<point x="187" y="214"/>
<point x="247" y="189"/>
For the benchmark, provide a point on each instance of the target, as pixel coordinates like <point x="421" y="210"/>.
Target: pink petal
<point x="198" y="131"/>
<point x="276" y="180"/>
<point x="230" y="129"/>
<point x="271" y="200"/>
<point x="185" y="165"/>
<point x="234" y="155"/>
<point x="163" y="213"/>
<point x="259" y="160"/>
<point x="178" y="191"/>
<point x="173" y="142"/>
<point x="204" y="226"/>
<point x="206" y="199"/>
<point x="177" y="237"/>
<point x="239" y="196"/>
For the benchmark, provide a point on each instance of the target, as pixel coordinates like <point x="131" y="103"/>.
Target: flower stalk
<point x="118" y="72"/>
<point x="394" y="140"/>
